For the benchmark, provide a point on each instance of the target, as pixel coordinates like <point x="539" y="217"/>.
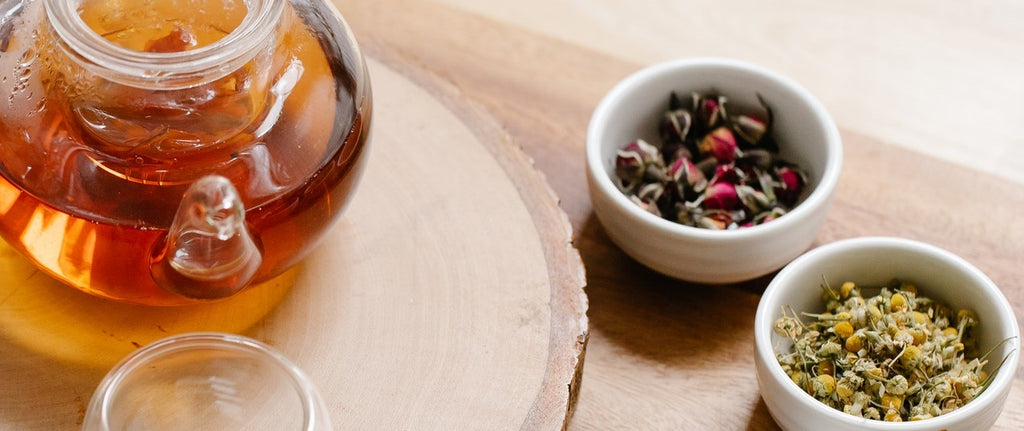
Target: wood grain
<point x="448" y="296"/>
<point x="665" y="354"/>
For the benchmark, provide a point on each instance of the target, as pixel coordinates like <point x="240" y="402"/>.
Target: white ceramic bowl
<point x="632" y="109"/>
<point x="937" y="273"/>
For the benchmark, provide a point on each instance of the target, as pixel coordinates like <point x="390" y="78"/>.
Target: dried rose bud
<point x="649" y="207"/>
<point x="715" y="220"/>
<point x="789" y="185"/>
<point x="683" y="171"/>
<point x="635" y="160"/>
<point x="673" y="151"/>
<point x="683" y="180"/>
<point x="752" y="199"/>
<point x="688" y="214"/>
<point x="768" y="216"/>
<point x="708" y="166"/>
<point x="629" y="166"/>
<point x="674" y="126"/>
<point x="709" y="110"/>
<point x="650" y="192"/>
<point x="758" y="157"/>
<point x="726" y="173"/>
<point x="649" y="153"/>
<point x="655" y="171"/>
<point x="721" y="196"/>
<point x="750" y="128"/>
<point x="767" y="183"/>
<point x="720" y="143"/>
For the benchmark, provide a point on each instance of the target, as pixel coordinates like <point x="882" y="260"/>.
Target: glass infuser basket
<point x="165" y="152"/>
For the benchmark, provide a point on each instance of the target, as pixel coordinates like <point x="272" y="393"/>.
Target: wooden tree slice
<point x="448" y="296"/>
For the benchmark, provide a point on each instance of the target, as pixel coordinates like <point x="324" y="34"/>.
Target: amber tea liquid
<point x="92" y="173"/>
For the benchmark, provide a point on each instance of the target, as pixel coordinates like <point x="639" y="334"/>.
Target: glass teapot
<point x="165" y="152"/>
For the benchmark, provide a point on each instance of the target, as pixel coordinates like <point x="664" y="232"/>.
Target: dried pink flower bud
<point x="753" y="200"/>
<point x="651" y="192"/>
<point x="683" y="171"/>
<point x="709" y="110"/>
<point x="649" y="153"/>
<point x="629" y="166"/>
<point x="649" y="207"/>
<point x="756" y="157"/>
<point x="721" y="196"/>
<point x="716" y="220"/>
<point x="790" y="184"/>
<point x="636" y="159"/>
<point x="750" y="128"/>
<point x="720" y="143"/>
<point x="726" y="173"/>
<point x="687" y="214"/>
<point x="770" y="215"/>
<point x="674" y="151"/>
<point x="674" y="126"/>
<point x="766" y="184"/>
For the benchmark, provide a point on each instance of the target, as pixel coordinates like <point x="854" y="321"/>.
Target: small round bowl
<point x="206" y="381"/>
<point x="806" y="135"/>
<point x="938" y="274"/>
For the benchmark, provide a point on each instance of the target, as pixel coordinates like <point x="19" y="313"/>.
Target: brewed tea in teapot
<point x="171" y="151"/>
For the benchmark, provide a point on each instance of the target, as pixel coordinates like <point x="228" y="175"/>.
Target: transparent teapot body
<point x="167" y="160"/>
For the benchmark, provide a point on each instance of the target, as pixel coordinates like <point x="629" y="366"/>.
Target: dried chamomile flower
<point x="788" y="326"/>
<point x="895" y="356"/>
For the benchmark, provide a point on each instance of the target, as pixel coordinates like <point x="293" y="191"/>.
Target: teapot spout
<point x="209" y="252"/>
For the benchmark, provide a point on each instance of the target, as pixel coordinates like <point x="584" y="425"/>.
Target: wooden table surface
<point x="926" y="97"/>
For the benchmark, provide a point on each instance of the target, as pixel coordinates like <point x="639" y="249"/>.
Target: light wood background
<point x="927" y="97"/>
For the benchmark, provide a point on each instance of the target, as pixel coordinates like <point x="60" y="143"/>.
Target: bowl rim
<point x="818" y="198"/>
<point x="764" y="317"/>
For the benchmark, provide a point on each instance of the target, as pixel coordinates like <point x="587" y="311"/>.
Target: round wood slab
<point x="448" y="296"/>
